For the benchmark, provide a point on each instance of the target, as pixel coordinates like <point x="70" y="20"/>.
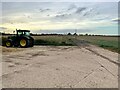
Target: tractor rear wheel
<point x="23" y="42"/>
<point x="8" y="43"/>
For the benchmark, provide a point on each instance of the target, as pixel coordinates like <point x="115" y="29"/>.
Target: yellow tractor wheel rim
<point x="8" y="44"/>
<point x="23" y="42"/>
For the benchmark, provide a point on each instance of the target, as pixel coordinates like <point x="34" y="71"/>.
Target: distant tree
<point x="86" y="34"/>
<point x="69" y="34"/>
<point x="31" y="33"/>
<point x="75" y="34"/>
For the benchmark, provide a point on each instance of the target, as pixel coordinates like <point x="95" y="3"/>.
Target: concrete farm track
<point x="82" y="66"/>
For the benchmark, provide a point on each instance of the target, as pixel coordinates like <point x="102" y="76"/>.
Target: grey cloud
<point x="80" y="9"/>
<point x="44" y="10"/>
<point x="62" y="16"/>
<point x="78" y="14"/>
<point x="48" y="15"/>
<point x="3" y="28"/>
<point x="102" y="18"/>
<point x="97" y="13"/>
<point x="72" y="6"/>
<point x="116" y="20"/>
<point x="88" y="12"/>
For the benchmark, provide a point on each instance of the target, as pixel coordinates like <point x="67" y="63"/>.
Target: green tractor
<point x="21" y="39"/>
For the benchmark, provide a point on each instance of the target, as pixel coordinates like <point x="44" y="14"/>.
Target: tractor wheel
<point x="23" y="43"/>
<point x="8" y="43"/>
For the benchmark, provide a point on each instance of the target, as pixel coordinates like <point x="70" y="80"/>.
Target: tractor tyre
<point x="23" y="43"/>
<point x="8" y="43"/>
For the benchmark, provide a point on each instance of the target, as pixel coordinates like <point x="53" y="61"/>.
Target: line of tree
<point x="53" y="34"/>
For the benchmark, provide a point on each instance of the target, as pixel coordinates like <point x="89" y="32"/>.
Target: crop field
<point x="53" y="40"/>
<point x="107" y="42"/>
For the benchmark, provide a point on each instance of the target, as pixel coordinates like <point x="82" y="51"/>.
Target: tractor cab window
<point x="20" y="33"/>
<point x="27" y="33"/>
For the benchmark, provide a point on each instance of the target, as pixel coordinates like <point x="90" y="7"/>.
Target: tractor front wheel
<point x="8" y="43"/>
<point x="23" y="43"/>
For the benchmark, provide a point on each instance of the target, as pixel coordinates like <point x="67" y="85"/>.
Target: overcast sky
<point x="61" y="17"/>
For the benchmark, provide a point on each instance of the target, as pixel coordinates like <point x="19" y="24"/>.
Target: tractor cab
<point x="23" y="32"/>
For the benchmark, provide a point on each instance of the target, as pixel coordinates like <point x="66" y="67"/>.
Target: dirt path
<point x="59" y="67"/>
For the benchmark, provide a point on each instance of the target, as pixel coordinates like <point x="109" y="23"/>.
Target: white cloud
<point x="36" y="16"/>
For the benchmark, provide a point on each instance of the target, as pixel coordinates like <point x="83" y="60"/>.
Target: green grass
<point x="110" y="43"/>
<point x="52" y="40"/>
